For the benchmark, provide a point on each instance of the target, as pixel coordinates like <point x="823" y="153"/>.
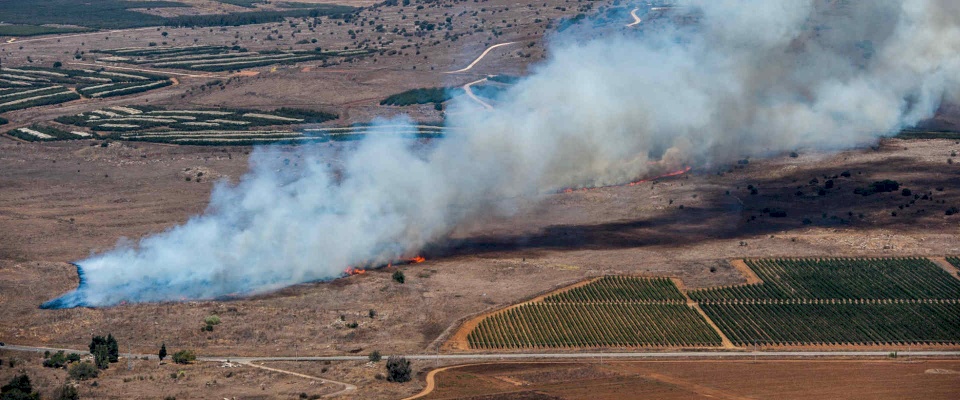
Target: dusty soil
<point x="149" y="379"/>
<point x="833" y="379"/>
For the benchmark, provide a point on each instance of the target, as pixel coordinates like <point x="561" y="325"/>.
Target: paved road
<point x="554" y="356"/>
<point x="619" y="355"/>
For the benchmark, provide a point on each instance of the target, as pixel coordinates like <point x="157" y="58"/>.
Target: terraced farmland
<point x="227" y="126"/>
<point x="612" y="311"/>
<point x="217" y="58"/>
<point x="25" y="87"/>
<point x="40" y="133"/>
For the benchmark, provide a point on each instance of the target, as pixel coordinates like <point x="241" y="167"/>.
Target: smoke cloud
<point x="733" y="78"/>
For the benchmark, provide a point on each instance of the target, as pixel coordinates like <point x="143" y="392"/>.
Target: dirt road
<point x="467" y="68"/>
<point x="636" y="19"/>
<point x="472" y="96"/>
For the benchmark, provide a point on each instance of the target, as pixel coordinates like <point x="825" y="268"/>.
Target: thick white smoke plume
<point x="734" y="78"/>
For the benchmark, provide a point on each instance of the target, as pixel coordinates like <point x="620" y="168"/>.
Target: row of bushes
<point x="61" y="98"/>
<point x="422" y="96"/>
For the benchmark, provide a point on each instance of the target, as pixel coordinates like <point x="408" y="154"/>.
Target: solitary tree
<point x="163" y="351"/>
<point x="398" y="369"/>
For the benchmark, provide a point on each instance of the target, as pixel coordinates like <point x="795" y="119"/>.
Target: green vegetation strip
<point x="217" y="58"/>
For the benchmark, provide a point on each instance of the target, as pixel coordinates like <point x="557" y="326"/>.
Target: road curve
<point x="472" y="96"/>
<point x="467" y="68"/>
<point x="636" y="19"/>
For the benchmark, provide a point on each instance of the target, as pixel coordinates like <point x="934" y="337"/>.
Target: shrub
<point x="906" y="192"/>
<point x="163" y="351"/>
<point x="73" y="357"/>
<point x="83" y="371"/>
<point x="883" y="186"/>
<point x="375" y="356"/>
<point x="184" y="357"/>
<point x="399" y="277"/>
<point x="398" y="369"/>
<point x="56" y="360"/>
<point x="66" y="392"/>
<point x="953" y="210"/>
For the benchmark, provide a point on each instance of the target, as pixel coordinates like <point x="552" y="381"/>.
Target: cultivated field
<point x="223" y="126"/>
<point x="611" y="311"/>
<point x="217" y="58"/>
<point x="28" y="86"/>
<point x="896" y="301"/>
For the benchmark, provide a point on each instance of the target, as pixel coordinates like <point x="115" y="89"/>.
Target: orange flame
<point x="418" y="259"/>
<point x="354" y="271"/>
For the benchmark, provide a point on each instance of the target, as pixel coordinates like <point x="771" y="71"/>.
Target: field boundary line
<point x="946" y="266"/>
<point x="726" y="343"/>
<point x="458" y="340"/>
<point x="747" y="272"/>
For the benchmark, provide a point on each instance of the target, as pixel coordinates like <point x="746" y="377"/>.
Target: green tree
<point x="163" y="351"/>
<point x="113" y="348"/>
<point x="398" y="369"/>
<point x="83" y="371"/>
<point x="19" y="388"/>
<point x="101" y="356"/>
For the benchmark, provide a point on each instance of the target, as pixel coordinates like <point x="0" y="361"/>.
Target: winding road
<point x="636" y="19"/>
<point x="467" y="68"/>
<point x="472" y="96"/>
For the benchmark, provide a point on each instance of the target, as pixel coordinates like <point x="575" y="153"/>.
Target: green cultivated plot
<point x="544" y="325"/>
<point x="844" y="278"/>
<point x="839" y="301"/>
<point x="613" y="311"/>
<point x="847" y="323"/>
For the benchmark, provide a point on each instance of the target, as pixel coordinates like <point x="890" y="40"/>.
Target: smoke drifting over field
<point x="749" y="78"/>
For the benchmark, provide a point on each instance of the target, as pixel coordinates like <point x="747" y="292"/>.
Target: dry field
<point x="696" y="379"/>
<point x="52" y="214"/>
<point x="62" y="201"/>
